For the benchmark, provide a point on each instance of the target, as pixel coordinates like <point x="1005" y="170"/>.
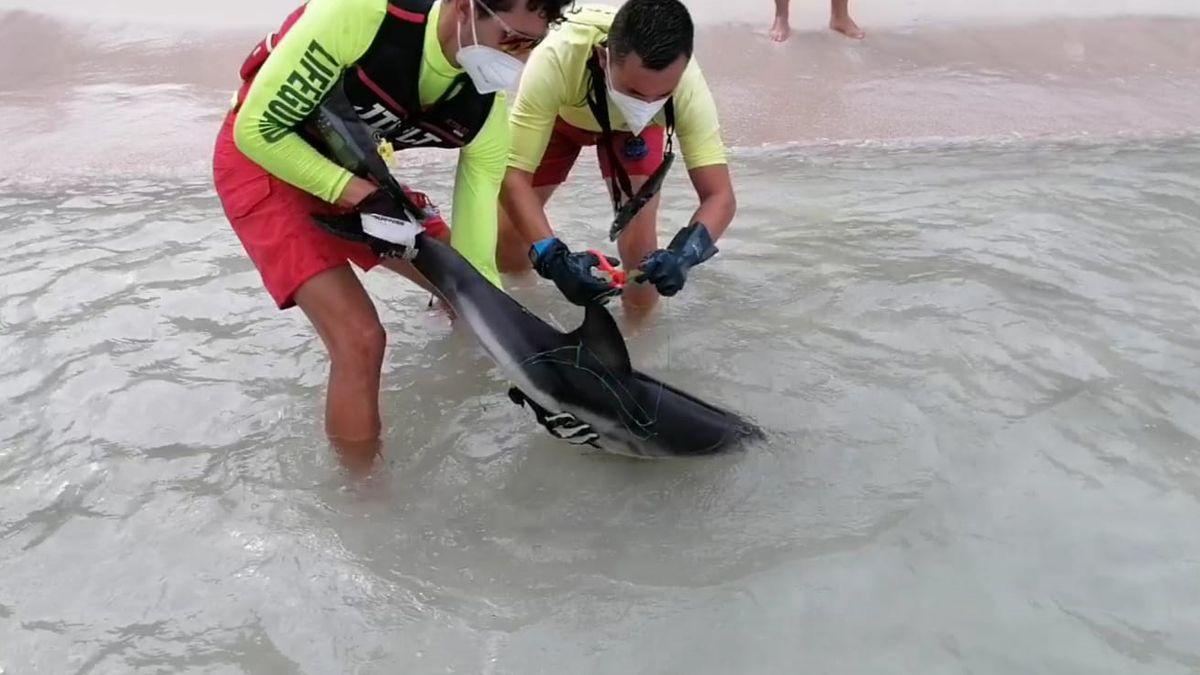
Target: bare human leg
<point x="638" y="240"/>
<point x="345" y="318"/>
<point x="780" y="30"/>
<point x="406" y="270"/>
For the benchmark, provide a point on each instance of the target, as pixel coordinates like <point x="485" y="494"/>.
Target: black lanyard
<point x="351" y="144"/>
<point x="626" y="204"/>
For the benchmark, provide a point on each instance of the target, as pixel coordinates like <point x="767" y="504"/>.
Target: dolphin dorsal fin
<point x="600" y="335"/>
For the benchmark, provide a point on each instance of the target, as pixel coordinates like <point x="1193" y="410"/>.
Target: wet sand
<point x="1058" y="77"/>
<point x="123" y="103"/>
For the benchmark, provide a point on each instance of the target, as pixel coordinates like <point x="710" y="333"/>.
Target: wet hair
<point x="658" y="31"/>
<point x="550" y="10"/>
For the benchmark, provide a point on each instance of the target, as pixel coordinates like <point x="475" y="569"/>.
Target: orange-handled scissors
<point x="616" y="276"/>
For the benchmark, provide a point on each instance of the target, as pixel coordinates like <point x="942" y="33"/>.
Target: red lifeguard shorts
<point x="638" y="158"/>
<point x="272" y="219"/>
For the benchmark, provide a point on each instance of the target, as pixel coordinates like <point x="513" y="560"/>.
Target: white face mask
<point x="637" y="113"/>
<point x="489" y="69"/>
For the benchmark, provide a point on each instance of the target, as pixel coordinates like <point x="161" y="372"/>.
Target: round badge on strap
<point x="635" y="148"/>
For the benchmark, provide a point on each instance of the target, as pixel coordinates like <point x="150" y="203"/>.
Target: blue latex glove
<point x="574" y="273"/>
<point x="667" y="268"/>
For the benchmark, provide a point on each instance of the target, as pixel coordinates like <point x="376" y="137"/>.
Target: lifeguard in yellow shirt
<point x="418" y="74"/>
<point x="625" y="81"/>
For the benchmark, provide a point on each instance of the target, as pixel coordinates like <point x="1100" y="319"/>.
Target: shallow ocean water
<point x="977" y="364"/>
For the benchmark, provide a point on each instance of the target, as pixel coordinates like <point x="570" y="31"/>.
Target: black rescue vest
<point x="382" y="86"/>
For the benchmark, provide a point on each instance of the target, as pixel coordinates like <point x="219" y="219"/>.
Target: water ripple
<point x="977" y="365"/>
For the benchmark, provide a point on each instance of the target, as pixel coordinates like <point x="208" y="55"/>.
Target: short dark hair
<point x="551" y="10"/>
<point x="659" y="31"/>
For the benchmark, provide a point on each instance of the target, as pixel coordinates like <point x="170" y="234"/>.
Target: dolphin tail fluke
<point x="347" y="226"/>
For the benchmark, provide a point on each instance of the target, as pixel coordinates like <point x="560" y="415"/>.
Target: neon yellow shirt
<point x="343" y="31"/>
<point x="556" y="81"/>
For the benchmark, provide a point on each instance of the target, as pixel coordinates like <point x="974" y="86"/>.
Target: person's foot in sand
<point x="780" y="30"/>
<point x="840" y="21"/>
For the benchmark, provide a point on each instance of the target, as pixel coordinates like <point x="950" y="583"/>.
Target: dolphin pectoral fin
<point x="518" y="397"/>
<point x="563" y="426"/>
<point x="599" y="333"/>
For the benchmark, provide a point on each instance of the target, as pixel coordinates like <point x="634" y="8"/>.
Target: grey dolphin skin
<point x="580" y="385"/>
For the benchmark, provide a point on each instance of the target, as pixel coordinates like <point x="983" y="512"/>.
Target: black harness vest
<point x="382" y="86"/>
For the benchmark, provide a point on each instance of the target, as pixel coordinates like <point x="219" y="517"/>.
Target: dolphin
<point x="579" y="385"/>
